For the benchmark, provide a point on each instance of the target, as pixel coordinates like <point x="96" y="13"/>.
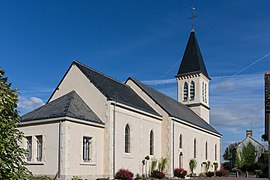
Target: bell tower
<point x="193" y="80"/>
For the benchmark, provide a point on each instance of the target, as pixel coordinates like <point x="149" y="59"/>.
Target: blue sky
<point x="145" y="40"/>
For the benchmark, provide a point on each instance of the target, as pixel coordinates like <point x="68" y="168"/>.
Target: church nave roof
<point x="175" y="108"/>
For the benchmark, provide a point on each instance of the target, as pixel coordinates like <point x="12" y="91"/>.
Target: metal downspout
<point x="59" y="150"/>
<point x="114" y="117"/>
<point x="173" y="147"/>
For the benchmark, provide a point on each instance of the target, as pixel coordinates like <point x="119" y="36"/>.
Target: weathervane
<point x="193" y="16"/>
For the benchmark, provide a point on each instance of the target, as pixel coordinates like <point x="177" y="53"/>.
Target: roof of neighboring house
<point x="251" y="138"/>
<point x="192" y="61"/>
<point x="69" y="105"/>
<point x="115" y="90"/>
<point x="175" y="108"/>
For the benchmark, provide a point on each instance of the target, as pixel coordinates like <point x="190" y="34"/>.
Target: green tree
<point x="12" y="156"/>
<point x="248" y="154"/>
<point x="228" y="154"/>
<point x="238" y="161"/>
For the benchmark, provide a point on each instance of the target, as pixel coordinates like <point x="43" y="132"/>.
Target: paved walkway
<point x="231" y="178"/>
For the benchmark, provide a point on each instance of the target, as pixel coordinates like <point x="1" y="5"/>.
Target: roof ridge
<point x="49" y="102"/>
<point x="77" y="62"/>
<point x="256" y="141"/>
<point x="71" y="98"/>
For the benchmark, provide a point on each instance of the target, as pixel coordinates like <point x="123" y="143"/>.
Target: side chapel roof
<point x="68" y="105"/>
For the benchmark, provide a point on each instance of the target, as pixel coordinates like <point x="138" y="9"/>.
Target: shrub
<point x="201" y="175"/>
<point x="138" y="176"/>
<point x="209" y="174"/>
<point x="157" y="174"/>
<point x="124" y="174"/>
<point x="162" y="164"/>
<point x="222" y="172"/>
<point x="192" y="165"/>
<point x="180" y="172"/>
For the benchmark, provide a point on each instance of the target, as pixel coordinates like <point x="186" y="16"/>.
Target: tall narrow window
<point x="39" y="148"/>
<point x="205" y="94"/>
<point x="192" y="90"/>
<point x="206" y="151"/>
<point x="215" y="152"/>
<point x="151" y="142"/>
<point x="29" y="148"/>
<point x="195" y="148"/>
<point x="185" y="91"/>
<point x="180" y="141"/>
<point x="203" y="91"/>
<point x="87" y="143"/>
<point x="127" y="139"/>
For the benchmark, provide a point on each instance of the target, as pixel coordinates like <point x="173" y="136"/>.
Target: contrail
<point x="173" y="81"/>
<point x="252" y="64"/>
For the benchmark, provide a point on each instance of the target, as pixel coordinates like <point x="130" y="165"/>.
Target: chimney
<point x="248" y="133"/>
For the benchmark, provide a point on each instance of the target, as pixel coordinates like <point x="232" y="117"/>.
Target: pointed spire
<point x="192" y="61"/>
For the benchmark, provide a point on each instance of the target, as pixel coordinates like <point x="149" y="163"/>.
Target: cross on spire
<point x="193" y="16"/>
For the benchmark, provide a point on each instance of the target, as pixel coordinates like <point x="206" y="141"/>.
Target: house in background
<point x="259" y="148"/>
<point x="93" y="125"/>
<point x="234" y="152"/>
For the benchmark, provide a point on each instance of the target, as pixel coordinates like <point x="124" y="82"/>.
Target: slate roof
<point x="175" y="108"/>
<point x="115" y="90"/>
<point x="69" y="105"/>
<point x="192" y="61"/>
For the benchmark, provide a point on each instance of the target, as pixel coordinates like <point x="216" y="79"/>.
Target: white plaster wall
<point x="49" y="163"/>
<point x="73" y="164"/>
<point x="188" y="136"/>
<point x="140" y="127"/>
<point x="76" y="80"/>
<point x="202" y="112"/>
<point x="165" y="126"/>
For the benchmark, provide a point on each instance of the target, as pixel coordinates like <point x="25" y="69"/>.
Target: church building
<point x="93" y="125"/>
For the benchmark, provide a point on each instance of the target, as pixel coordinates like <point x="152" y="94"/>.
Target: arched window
<point x="215" y="152"/>
<point x="203" y="91"/>
<point x="180" y="141"/>
<point x="151" y="142"/>
<point x="192" y="90"/>
<point x="127" y="139"/>
<point x="206" y="151"/>
<point x="181" y="160"/>
<point x="185" y="91"/>
<point x="195" y="148"/>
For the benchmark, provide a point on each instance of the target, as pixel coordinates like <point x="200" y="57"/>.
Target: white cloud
<point x="27" y="104"/>
<point x="160" y="82"/>
<point x="236" y="102"/>
<point x="228" y="85"/>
